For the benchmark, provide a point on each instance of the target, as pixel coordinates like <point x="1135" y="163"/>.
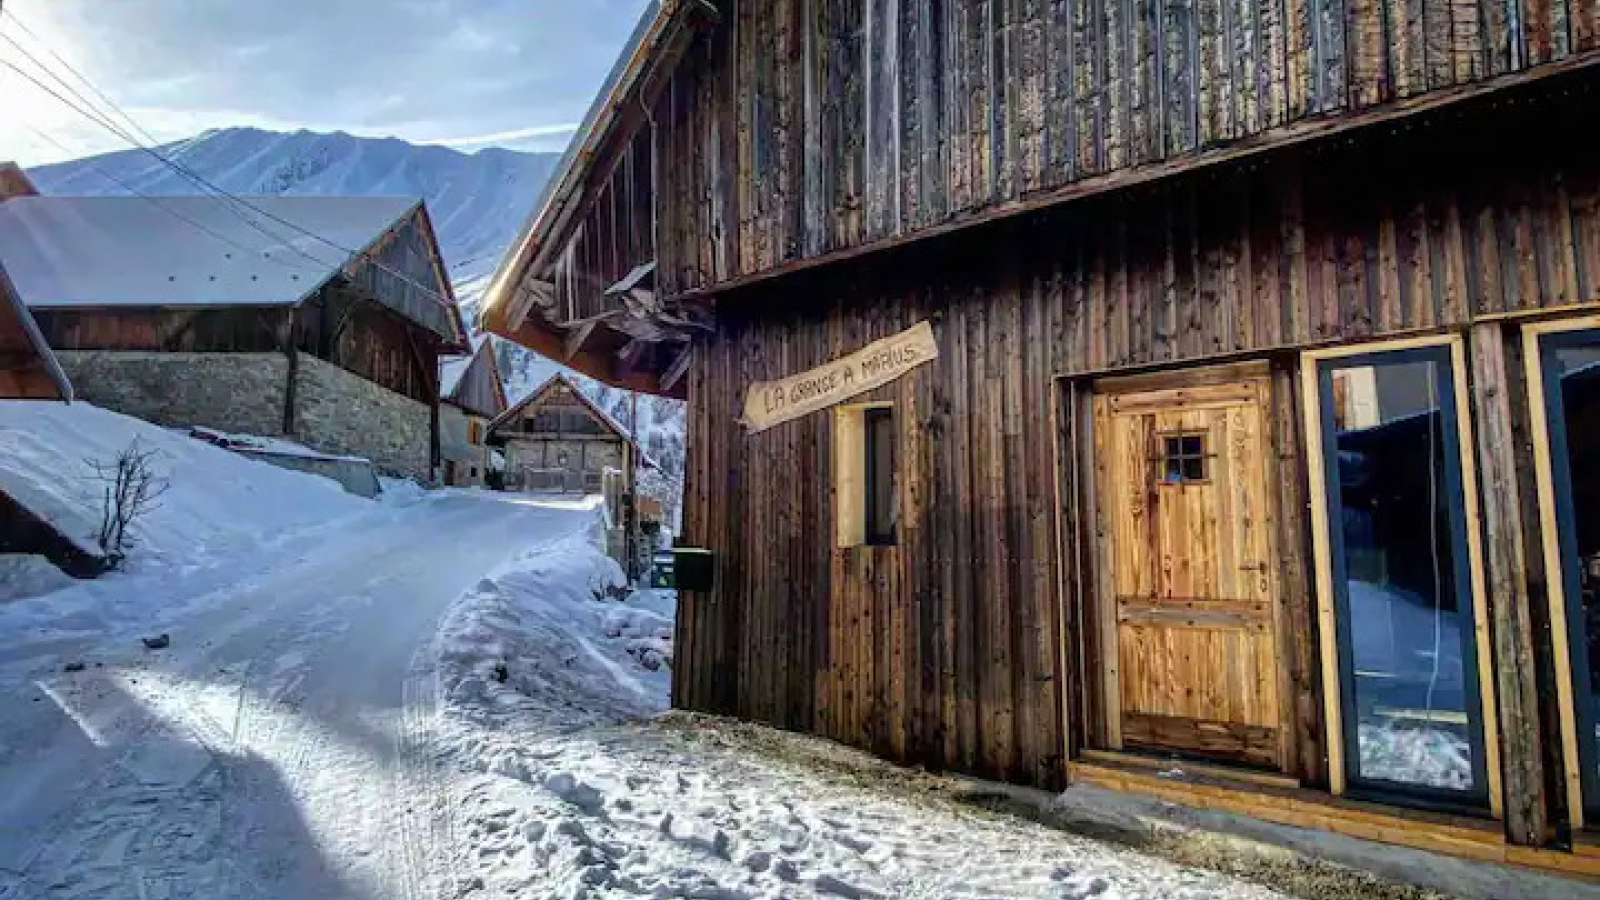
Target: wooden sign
<point x="878" y="363"/>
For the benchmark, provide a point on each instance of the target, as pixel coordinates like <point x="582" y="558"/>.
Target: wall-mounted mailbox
<point x="693" y="568"/>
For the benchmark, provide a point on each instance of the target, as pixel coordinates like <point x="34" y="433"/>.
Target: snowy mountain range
<point x="478" y="203"/>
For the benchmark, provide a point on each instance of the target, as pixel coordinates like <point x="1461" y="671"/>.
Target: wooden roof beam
<point x="579" y="336"/>
<point x="676" y="371"/>
<point x="631" y="351"/>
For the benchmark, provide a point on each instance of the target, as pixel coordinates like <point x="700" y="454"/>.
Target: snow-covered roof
<point x="451" y="370"/>
<point x="184" y="251"/>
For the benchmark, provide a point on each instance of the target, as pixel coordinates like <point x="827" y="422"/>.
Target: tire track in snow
<point x="266" y="735"/>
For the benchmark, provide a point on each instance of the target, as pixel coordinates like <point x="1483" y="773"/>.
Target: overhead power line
<point x="169" y="210"/>
<point x="88" y="110"/>
<point x="189" y="174"/>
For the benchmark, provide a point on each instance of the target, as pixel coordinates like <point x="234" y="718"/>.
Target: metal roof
<point x="82" y="252"/>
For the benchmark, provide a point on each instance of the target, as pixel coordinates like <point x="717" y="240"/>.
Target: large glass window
<point x="1571" y="375"/>
<point x="1403" y="601"/>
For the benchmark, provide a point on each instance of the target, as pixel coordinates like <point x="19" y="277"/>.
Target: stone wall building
<point x="320" y="319"/>
<point x="557" y="441"/>
<point x="472" y="395"/>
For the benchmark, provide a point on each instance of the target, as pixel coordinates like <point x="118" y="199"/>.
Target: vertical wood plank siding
<point x="802" y="127"/>
<point x="616" y="233"/>
<point x="949" y="648"/>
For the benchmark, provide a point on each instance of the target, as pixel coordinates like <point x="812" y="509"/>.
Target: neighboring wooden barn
<point x="1075" y="389"/>
<point x="556" y="440"/>
<point x="316" y="318"/>
<point x="473" y="396"/>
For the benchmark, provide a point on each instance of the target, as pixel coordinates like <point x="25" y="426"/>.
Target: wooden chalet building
<point x="317" y="318"/>
<point x="472" y="395"/>
<point x="556" y="440"/>
<point x="1078" y="386"/>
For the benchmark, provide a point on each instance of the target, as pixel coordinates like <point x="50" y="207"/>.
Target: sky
<point x="463" y="73"/>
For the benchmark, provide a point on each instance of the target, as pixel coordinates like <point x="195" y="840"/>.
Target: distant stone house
<point x="473" y="395"/>
<point x="320" y="319"/>
<point x="556" y="440"/>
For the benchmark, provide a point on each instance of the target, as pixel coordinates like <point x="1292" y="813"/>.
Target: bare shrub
<point x="130" y="488"/>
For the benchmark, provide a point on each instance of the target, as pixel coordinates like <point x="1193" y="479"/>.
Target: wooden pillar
<point x="1305" y="751"/>
<point x="1496" y="392"/>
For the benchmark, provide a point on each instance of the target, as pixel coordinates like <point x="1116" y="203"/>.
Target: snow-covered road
<point x="274" y="750"/>
<point x="447" y="699"/>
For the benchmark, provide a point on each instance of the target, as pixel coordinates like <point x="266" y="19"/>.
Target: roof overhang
<point x="665" y="31"/>
<point x="12" y="308"/>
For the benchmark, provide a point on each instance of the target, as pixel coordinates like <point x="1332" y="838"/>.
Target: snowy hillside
<point x="47" y="455"/>
<point x="478" y="203"/>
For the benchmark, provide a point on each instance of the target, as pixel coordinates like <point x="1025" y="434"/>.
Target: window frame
<point x="1332" y="603"/>
<point x="1203" y="457"/>
<point x="874" y="418"/>
<point x="1579" y="760"/>
<point x="851" y="471"/>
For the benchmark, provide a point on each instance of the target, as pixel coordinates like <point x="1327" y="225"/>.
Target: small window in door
<point x="1183" y="458"/>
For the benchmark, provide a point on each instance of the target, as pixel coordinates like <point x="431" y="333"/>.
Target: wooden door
<point x="1189" y="599"/>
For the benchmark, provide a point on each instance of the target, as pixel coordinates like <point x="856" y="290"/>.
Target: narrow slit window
<point x="879" y="456"/>
<point x="866" y="485"/>
<point x="1184" y="458"/>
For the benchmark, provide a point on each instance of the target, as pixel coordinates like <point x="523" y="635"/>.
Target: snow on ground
<point x="273" y="750"/>
<point x="219" y="503"/>
<point x="444" y="694"/>
<point x="572" y="790"/>
<point x="274" y="445"/>
<point x="221" y="515"/>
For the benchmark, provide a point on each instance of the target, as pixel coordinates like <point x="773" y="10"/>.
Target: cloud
<point x="506" y="137"/>
<point x="478" y="72"/>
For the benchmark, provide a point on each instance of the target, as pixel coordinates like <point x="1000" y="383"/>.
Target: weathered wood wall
<point x="404" y="272"/>
<point x="946" y="648"/>
<point x="479" y="388"/>
<point x="230" y="330"/>
<point x="370" y="340"/>
<point x="616" y="235"/>
<point x="801" y="127"/>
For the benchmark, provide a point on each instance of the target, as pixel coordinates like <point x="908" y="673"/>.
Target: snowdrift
<point x="548" y="620"/>
<point x="218" y="504"/>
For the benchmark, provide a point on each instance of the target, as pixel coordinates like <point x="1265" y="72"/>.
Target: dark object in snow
<point x="73" y="667"/>
<point x="159" y="642"/>
<point x="501" y="673"/>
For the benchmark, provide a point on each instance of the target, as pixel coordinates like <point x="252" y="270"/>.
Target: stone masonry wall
<point x="227" y="391"/>
<point x="340" y="412"/>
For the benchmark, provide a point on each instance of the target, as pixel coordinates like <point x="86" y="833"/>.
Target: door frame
<point x="1091" y="598"/>
<point x="1316" y="468"/>
<point x="1572" y="753"/>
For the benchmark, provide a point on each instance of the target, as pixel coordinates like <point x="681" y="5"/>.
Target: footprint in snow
<point x="575" y="792"/>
